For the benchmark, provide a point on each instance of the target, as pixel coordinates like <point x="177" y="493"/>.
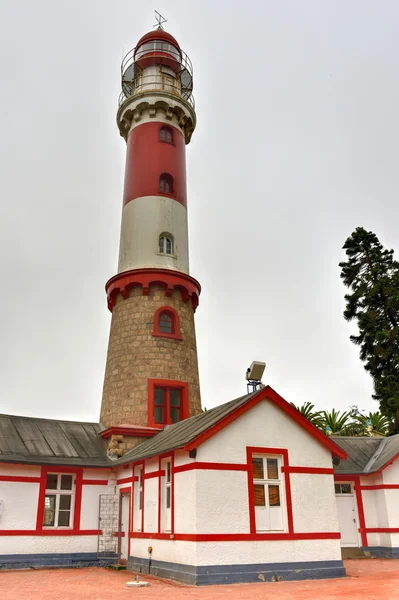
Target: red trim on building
<point x="144" y="278"/>
<point x="127" y="480"/>
<point x="153" y="474"/>
<point x="20" y="479"/>
<point x="380" y="530"/>
<point x="94" y="481"/>
<point x="312" y="470"/>
<point x="175" y="334"/>
<point x="360" y="510"/>
<point x="146" y="160"/>
<point x="128" y="430"/>
<point x="213" y="466"/>
<point x="267" y="393"/>
<point x="171" y="385"/>
<point x="239" y="537"/>
<point x="381" y="486"/>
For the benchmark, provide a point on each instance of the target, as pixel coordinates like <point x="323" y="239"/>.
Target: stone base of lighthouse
<point x="139" y="355"/>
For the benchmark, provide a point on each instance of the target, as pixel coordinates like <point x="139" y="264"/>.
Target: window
<point x="166" y="183"/>
<point x="167" y="405"/>
<point x="138" y="499"/>
<point x="266" y="471"/>
<point x="167" y="402"/>
<point x="58" y="500"/>
<point x="166" y="135"/>
<point x="343" y="488"/>
<point x="167" y="323"/>
<point x="166" y="498"/>
<point x="165" y="244"/>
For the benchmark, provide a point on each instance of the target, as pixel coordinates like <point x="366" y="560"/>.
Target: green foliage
<point x="307" y="411"/>
<point x="372" y="276"/>
<point x="336" y="422"/>
<point x="352" y="422"/>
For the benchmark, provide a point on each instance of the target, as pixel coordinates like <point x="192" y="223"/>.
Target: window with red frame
<point x="167" y="405"/>
<point x="166" y="135"/>
<point x="166" y="183"/>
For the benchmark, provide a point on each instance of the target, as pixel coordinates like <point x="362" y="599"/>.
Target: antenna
<point x="160" y="20"/>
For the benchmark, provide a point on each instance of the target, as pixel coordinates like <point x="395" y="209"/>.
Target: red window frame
<point x="166" y="132"/>
<point x="171" y="312"/>
<point x="167" y="385"/>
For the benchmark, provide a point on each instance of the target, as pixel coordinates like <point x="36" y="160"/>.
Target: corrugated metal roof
<point x="179" y="434"/>
<point x="366" y="455"/>
<point x="359" y="451"/>
<point x="47" y="441"/>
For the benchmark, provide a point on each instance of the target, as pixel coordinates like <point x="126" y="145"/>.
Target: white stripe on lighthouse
<point x="143" y="221"/>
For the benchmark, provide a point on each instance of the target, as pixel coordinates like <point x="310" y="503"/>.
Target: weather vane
<point x="160" y="20"/>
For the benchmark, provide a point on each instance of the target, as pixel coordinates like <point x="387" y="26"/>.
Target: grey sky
<point x="296" y="145"/>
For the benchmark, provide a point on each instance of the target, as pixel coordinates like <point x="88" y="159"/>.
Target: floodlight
<point x="255" y="371"/>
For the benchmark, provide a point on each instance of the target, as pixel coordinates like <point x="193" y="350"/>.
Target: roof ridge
<point x="376" y="455"/>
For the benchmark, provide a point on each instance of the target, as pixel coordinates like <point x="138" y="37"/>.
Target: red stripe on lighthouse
<point x="147" y="157"/>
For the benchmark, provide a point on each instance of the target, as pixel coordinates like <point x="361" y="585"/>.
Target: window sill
<point x="166" y="255"/>
<point x="166" y="142"/>
<point x="173" y="336"/>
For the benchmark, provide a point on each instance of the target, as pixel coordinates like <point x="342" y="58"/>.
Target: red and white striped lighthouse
<point x="151" y="377"/>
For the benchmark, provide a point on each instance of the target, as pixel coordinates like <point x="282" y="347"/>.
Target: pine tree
<point x="372" y="276"/>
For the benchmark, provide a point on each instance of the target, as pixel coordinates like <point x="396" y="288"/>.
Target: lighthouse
<point x="151" y="376"/>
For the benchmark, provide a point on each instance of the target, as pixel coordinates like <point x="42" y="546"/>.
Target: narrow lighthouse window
<point x="166" y="135"/>
<point x="165" y="244"/>
<point x="166" y="183"/>
<point x="165" y="323"/>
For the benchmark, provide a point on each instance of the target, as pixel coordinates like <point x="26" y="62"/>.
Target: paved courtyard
<point x="366" y="579"/>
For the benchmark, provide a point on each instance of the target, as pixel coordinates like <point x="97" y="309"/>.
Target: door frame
<point x="122" y="492"/>
<point x="353" y="483"/>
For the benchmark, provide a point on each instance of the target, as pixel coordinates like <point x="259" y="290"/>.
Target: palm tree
<point x="373" y="423"/>
<point x="307" y="411"/>
<point x="335" y="422"/>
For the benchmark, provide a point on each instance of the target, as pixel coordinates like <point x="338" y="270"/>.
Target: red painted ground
<point x="367" y="579"/>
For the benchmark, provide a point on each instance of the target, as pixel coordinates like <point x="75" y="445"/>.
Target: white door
<point x="124" y="526"/>
<point x="347" y="520"/>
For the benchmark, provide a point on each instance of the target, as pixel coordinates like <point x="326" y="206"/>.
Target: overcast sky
<point x="296" y="145"/>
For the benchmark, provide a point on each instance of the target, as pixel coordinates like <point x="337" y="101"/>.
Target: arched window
<point x="165" y="244"/>
<point x="166" y="323"/>
<point x="166" y="183"/>
<point x="166" y="135"/>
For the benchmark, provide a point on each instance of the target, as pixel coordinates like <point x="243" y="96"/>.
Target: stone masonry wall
<point x="135" y="355"/>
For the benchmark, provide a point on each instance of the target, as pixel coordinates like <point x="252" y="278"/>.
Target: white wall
<point x="47" y="544"/>
<point x="265" y="425"/>
<point x="19" y="506"/>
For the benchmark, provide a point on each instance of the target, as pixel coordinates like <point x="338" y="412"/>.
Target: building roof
<point x="31" y="440"/>
<point x="51" y="442"/>
<point x="193" y="431"/>
<point x="366" y="455"/>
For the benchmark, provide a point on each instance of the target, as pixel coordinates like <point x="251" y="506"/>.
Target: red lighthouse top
<point x="158" y="34"/>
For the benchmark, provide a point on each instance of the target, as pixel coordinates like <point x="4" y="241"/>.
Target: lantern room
<point x="157" y="63"/>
